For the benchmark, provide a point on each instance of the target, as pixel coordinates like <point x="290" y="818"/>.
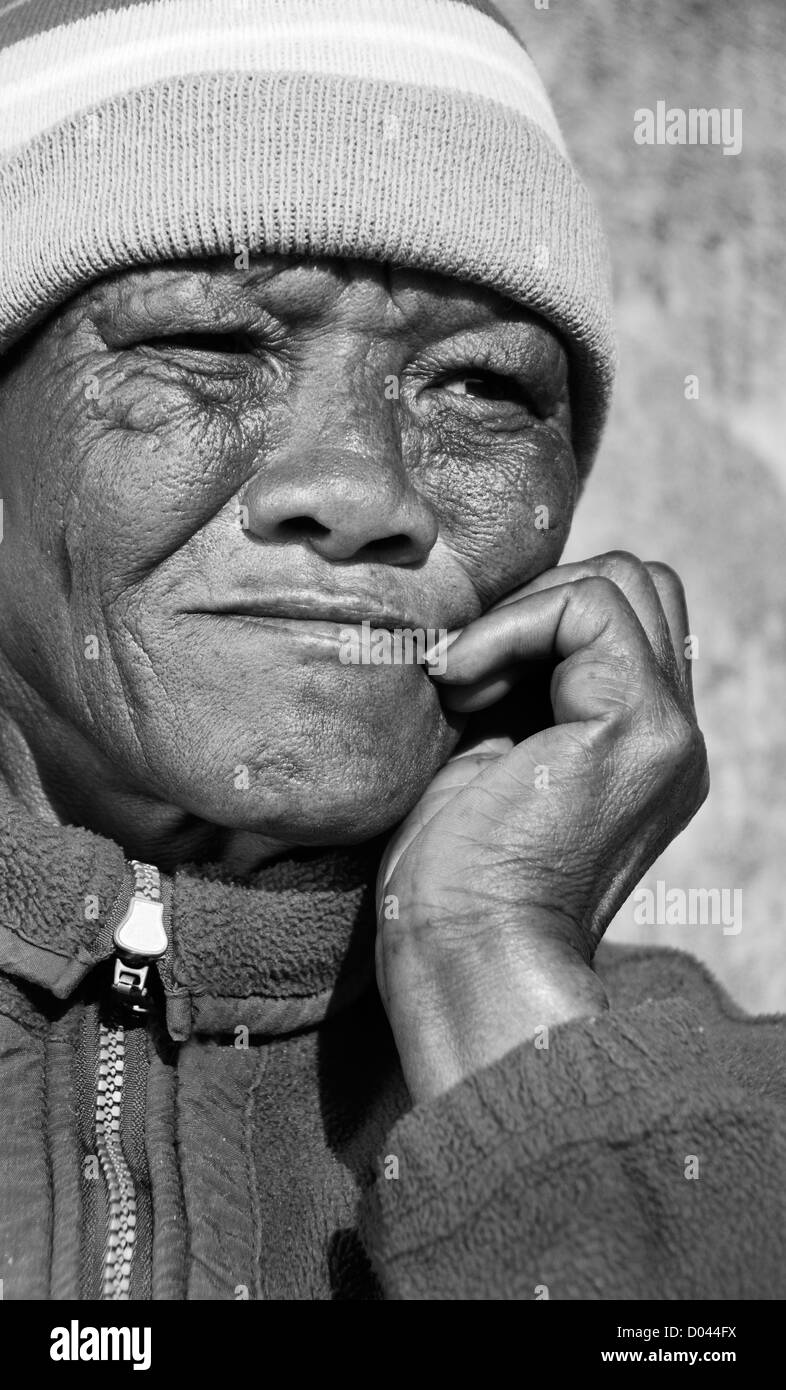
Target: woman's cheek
<point x="147" y="493"/>
<point x="507" y="510"/>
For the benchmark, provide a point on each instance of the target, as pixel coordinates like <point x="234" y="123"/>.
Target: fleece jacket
<point x="272" y="1147"/>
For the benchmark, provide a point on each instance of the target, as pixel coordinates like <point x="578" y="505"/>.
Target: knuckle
<point x="679" y="744"/>
<point x="617" y="563"/>
<point x="666" y="575"/>
<point x="617" y="559"/>
<point x="689" y="743"/>
<point x="599" y="589"/>
<point x="702" y="781"/>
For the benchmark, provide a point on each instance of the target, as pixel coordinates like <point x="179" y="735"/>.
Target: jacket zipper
<point x="121" y="1196"/>
<point x="140" y="940"/>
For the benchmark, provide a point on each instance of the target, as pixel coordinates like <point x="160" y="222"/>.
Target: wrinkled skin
<point x="125" y="461"/>
<point x="180" y="444"/>
<point x="509" y="869"/>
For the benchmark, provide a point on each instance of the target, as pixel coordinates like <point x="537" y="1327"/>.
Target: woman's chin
<point x="358" y="802"/>
<point x="303" y="780"/>
<point x="324" y="761"/>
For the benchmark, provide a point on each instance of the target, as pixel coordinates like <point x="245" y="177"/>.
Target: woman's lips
<point x="326" y="612"/>
<point x="343" y="629"/>
<point x="303" y="629"/>
<point x="345" y="643"/>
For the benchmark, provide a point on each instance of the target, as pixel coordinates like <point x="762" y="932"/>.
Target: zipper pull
<point x="139" y="939"/>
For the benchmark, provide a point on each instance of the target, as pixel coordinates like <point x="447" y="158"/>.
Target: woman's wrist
<point x="468" y="1007"/>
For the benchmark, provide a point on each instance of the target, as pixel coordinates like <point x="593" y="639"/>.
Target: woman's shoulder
<point x="751" y="1047"/>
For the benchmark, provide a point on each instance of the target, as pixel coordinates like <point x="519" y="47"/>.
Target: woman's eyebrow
<point x="514" y="345"/>
<point x="139" y="299"/>
<point x="186" y="297"/>
<point x="205" y="283"/>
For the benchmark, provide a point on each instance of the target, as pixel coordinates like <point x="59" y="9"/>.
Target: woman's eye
<point x="227" y="343"/>
<point x="486" y="386"/>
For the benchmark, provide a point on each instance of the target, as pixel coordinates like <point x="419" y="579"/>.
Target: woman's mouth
<point x="321" y="610"/>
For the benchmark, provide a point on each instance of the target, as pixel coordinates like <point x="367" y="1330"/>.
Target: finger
<point x="487" y="746"/>
<point x="588" y="625"/>
<point x="675" y="609"/>
<point x="630" y="575"/>
<point x="481" y="694"/>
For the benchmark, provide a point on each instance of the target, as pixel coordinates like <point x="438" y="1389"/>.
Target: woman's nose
<point x="344" y="504"/>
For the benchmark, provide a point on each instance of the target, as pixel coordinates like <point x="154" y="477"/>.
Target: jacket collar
<point x="274" y="952"/>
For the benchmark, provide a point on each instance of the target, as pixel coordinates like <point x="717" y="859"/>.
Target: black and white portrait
<point x="392" y="648"/>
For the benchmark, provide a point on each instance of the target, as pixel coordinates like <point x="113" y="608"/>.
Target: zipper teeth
<point x="120" y="1190"/>
<point x="121" y="1195"/>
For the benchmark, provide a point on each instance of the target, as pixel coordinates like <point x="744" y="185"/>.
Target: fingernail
<point x="435" y="656"/>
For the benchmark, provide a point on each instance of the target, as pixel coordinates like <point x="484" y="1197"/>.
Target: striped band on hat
<point x="417" y="133"/>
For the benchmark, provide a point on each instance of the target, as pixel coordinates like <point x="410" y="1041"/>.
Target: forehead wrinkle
<point x="390" y="301"/>
<point x="194" y="286"/>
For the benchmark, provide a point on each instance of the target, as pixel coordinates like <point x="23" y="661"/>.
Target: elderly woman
<point x="305" y="336"/>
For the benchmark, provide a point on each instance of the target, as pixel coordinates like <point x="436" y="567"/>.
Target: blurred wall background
<point x="697" y="239"/>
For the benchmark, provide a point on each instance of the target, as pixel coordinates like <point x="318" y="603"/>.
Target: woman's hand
<point x="495" y="891"/>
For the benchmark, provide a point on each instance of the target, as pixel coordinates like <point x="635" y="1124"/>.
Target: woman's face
<point x="208" y="472"/>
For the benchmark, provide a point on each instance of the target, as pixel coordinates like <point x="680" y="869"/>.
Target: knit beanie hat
<point x="415" y="132"/>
